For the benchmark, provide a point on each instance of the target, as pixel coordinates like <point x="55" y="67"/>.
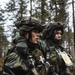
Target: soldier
<point x="53" y="37"/>
<point x="27" y="58"/>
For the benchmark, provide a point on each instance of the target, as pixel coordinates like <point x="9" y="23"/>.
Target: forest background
<point x="46" y="10"/>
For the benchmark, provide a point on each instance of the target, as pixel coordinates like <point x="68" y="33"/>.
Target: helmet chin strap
<point x="30" y="35"/>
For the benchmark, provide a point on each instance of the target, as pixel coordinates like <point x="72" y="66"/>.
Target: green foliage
<point x="10" y="6"/>
<point x="45" y="10"/>
<point x="58" y="6"/>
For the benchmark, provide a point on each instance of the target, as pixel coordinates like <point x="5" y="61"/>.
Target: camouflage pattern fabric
<point x="16" y="62"/>
<point x="28" y="23"/>
<point x="57" y="62"/>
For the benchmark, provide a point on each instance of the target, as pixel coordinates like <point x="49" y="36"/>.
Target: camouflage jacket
<point x="25" y="61"/>
<point x="56" y="61"/>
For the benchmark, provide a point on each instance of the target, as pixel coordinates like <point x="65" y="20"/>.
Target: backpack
<point x="9" y="51"/>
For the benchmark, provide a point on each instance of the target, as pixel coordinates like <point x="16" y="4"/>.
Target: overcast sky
<point x="2" y="1"/>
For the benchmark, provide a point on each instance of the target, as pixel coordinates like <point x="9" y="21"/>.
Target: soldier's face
<point x="58" y="35"/>
<point x="35" y="36"/>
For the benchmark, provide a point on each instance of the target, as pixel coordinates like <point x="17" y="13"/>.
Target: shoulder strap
<point x="11" y="50"/>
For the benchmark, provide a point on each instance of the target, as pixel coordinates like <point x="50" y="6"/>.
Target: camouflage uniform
<point x="26" y="58"/>
<point x="58" y="66"/>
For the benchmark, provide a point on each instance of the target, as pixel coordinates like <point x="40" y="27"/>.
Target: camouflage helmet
<point x="49" y="31"/>
<point x="29" y="23"/>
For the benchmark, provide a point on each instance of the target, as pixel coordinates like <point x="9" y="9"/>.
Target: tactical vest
<point x="16" y="64"/>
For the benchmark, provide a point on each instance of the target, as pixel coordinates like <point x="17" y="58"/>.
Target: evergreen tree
<point x="3" y="39"/>
<point x="40" y="10"/>
<point x="45" y="10"/>
<point x="16" y="10"/>
<point x="58" y="8"/>
<point x="22" y="9"/>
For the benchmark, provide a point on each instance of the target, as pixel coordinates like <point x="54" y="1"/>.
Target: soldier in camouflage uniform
<point x="53" y="37"/>
<point x="27" y="58"/>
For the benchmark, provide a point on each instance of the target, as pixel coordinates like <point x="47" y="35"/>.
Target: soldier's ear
<point x="26" y="34"/>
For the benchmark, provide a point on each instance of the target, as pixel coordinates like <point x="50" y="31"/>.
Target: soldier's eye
<point x="59" y="33"/>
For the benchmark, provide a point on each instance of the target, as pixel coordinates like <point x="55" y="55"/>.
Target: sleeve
<point x="22" y="49"/>
<point x="14" y="65"/>
<point x="43" y="46"/>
